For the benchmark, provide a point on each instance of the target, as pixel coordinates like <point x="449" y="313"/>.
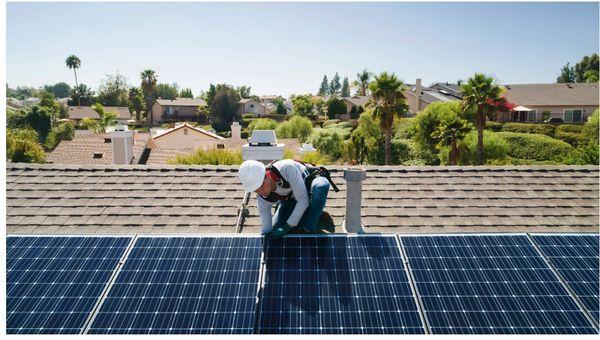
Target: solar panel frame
<point x="98" y="288"/>
<point x="368" y="314"/>
<point x="94" y="329"/>
<point x="587" y="328"/>
<point x="586" y="293"/>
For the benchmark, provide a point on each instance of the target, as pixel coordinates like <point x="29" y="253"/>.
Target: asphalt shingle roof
<point x="181" y="102"/>
<point x="68" y="199"/>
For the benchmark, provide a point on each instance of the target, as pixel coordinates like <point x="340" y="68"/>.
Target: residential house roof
<point x="579" y="94"/>
<point x="80" y="112"/>
<point x="248" y="100"/>
<point x="191" y="127"/>
<point x="82" y="148"/>
<point x="181" y="102"/>
<point x="358" y="100"/>
<point x="95" y="199"/>
<point x="121" y="111"/>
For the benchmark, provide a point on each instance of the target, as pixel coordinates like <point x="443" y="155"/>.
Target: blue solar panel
<point x="576" y="259"/>
<point x="490" y="284"/>
<point x="53" y="283"/>
<point x="335" y="285"/>
<point x="184" y="285"/>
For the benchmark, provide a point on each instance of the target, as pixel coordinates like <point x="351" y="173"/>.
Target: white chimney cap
<point x="263" y="137"/>
<point x="306" y="147"/>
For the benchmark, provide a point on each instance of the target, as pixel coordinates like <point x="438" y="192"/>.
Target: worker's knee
<point x="320" y="186"/>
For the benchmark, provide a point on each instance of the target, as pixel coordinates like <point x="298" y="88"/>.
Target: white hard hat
<point x="252" y="175"/>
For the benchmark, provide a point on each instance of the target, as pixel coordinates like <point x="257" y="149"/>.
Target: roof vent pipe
<point x="354" y="178"/>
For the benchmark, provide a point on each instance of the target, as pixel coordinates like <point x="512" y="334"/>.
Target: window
<point x="572" y="116"/>
<point x="251" y="106"/>
<point x="532" y="115"/>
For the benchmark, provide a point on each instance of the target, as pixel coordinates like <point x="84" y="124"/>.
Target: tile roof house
<point x="419" y="97"/>
<point x="355" y="104"/>
<point x="76" y="113"/>
<point x="166" y="110"/>
<point x="93" y="148"/>
<point x="253" y="106"/>
<point x="182" y="136"/>
<point x="107" y="199"/>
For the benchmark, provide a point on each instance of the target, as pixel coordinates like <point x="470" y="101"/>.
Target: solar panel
<point x="53" y="283"/>
<point x="489" y="284"/>
<point x="336" y="285"/>
<point x="184" y="285"/>
<point x="575" y="257"/>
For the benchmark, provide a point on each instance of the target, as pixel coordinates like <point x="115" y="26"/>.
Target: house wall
<point x="252" y="107"/>
<point x="178" y="112"/>
<point x="555" y="112"/>
<point x="182" y="138"/>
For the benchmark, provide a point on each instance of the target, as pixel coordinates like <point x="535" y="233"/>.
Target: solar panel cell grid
<point x="53" y="283"/>
<point x="575" y="257"/>
<point x="490" y="284"/>
<point x="336" y="285"/>
<point x="184" y="285"/>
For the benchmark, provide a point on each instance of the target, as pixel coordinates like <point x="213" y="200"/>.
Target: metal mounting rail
<point x="260" y="289"/>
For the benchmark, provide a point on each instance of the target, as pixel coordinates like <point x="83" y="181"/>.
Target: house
<point x="77" y="113"/>
<point x="94" y="149"/>
<point x="178" y="109"/>
<point x="270" y="99"/>
<point x="354" y="106"/>
<point x="182" y="136"/>
<point x="253" y="106"/>
<point x="572" y="103"/>
<point x="419" y="97"/>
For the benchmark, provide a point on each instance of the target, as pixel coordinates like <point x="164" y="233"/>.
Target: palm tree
<point x="481" y="94"/>
<point x="451" y="129"/>
<point x="73" y="62"/>
<point x="149" y="79"/>
<point x="362" y="82"/>
<point x="389" y="101"/>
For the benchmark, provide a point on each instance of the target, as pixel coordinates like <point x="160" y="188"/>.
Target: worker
<point x="299" y="190"/>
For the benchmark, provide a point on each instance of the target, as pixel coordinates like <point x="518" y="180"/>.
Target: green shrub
<point x="495" y="149"/>
<point x="570" y="133"/>
<point x="288" y="154"/>
<point x="544" y="129"/>
<point x="212" y="157"/>
<point x="64" y="131"/>
<point x="262" y="124"/>
<point x="591" y="127"/>
<point x="573" y="128"/>
<point x="22" y="146"/>
<point x="327" y="141"/>
<point x="585" y="153"/>
<point x="535" y="146"/>
<point x="297" y="127"/>
<point x="493" y="126"/>
<point x="315" y="157"/>
<point x="247" y="116"/>
<point x="403" y="128"/>
<point x="15" y="119"/>
<point x="330" y="122"/>
<point x="87" y="123"/>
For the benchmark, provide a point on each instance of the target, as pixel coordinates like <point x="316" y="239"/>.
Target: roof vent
<point x="445" y="92"/>
<point x="107" y="140"/>
<point x="98" y="155"/>
<point x="508" y="87"/>
<point x="570" y="86"/>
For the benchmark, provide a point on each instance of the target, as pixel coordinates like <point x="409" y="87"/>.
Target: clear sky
<point x="285" y="48"/>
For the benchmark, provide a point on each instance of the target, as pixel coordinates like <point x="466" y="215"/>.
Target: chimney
<point x="262" y="147"/>
<point x="354" y="178"/>
<point x="418" y="95"/>
<point x="236" y="131"/>
<point x="122" y="147"/>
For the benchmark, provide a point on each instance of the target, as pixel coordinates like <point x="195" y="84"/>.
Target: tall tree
<point x="346" y="88"/>
<point x="244" y="91"/>
<point x="334" y="86"/>
<point x="587" y="63"/>
<point x="224" y="106"/>
<point x="167" y="91"/>
<point x="451" y="129"/>
<point x="389" y="101"/>
<point x="362" y="82"/>
<point x="302" y="105"/>
<point x="60" y="90"/>
<point x="149" y="79"/>
<point x="591" y="76"/>
<point x="73" y="62"/>
<point x="567" y="74"/>
<point x="481" y="94"/>
<point x="186" y="93"/>
<point x="324" y="88"/>
<point x="84" y="95"/>
<point x="38" y="118"/>
<point x="136" y="101"/>
<point x="113" y="90"/>
<point x="210" y="94"/>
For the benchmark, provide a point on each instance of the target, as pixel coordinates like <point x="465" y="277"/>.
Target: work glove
<point x="278" y="232"/>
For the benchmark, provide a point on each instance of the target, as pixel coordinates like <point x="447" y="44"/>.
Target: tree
<point x="22" y="146"/>
<point x="38" y="118"/>
<point x="210" y="94"/>
<point x="73" y="62"/>
<point x="47" y="100"/>
<point x="24" y="92"/>
<point x="204" y="114"/>
<point x="324" y="88"/>
<point x="302" y="105"/>
<point x="148" y="86"/>
<point x="334" y="86"/>
<point x="106" y="118"/>
<point x="244" y="92"/>
<point x="591" y="76"/>
<point x="297" y="127"/>
<point x="567" y="74"/>
<point x="335" y="107"/>
<point x="224" y="106"/>
<point x="281" y="109"/>
<point x="136" y="102"/>
<point x="84" y="95"/>
<point x="113" y="90"/>
<point x="59" y="90"/>
<point x="586" y="64"/>
<point x="362" y="82"/>
<point x="186" y="93"/>
<point x="63" y="131"/>
<point x="388" y="102"/>
<point x="346" y="88"/>
<point x="482" y="95"/>
<point x="451" y="129"/>
<point x="167" y="91"/>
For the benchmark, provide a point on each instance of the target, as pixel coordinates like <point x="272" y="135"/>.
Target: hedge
<point x="493" y="126"/>
<point x="570" y="133"/>
<point x="544" y="129"/>
<point x="535" y="146"/>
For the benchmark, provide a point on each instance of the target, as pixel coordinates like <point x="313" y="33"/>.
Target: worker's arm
<point x="294" y="177"/>
<point x="264" y="211"/>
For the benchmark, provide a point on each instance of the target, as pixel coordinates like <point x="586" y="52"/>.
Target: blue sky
<point x="285" y="48"/>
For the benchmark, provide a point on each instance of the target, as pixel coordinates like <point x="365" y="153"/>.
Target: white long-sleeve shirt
<point x="293" y="173"/>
